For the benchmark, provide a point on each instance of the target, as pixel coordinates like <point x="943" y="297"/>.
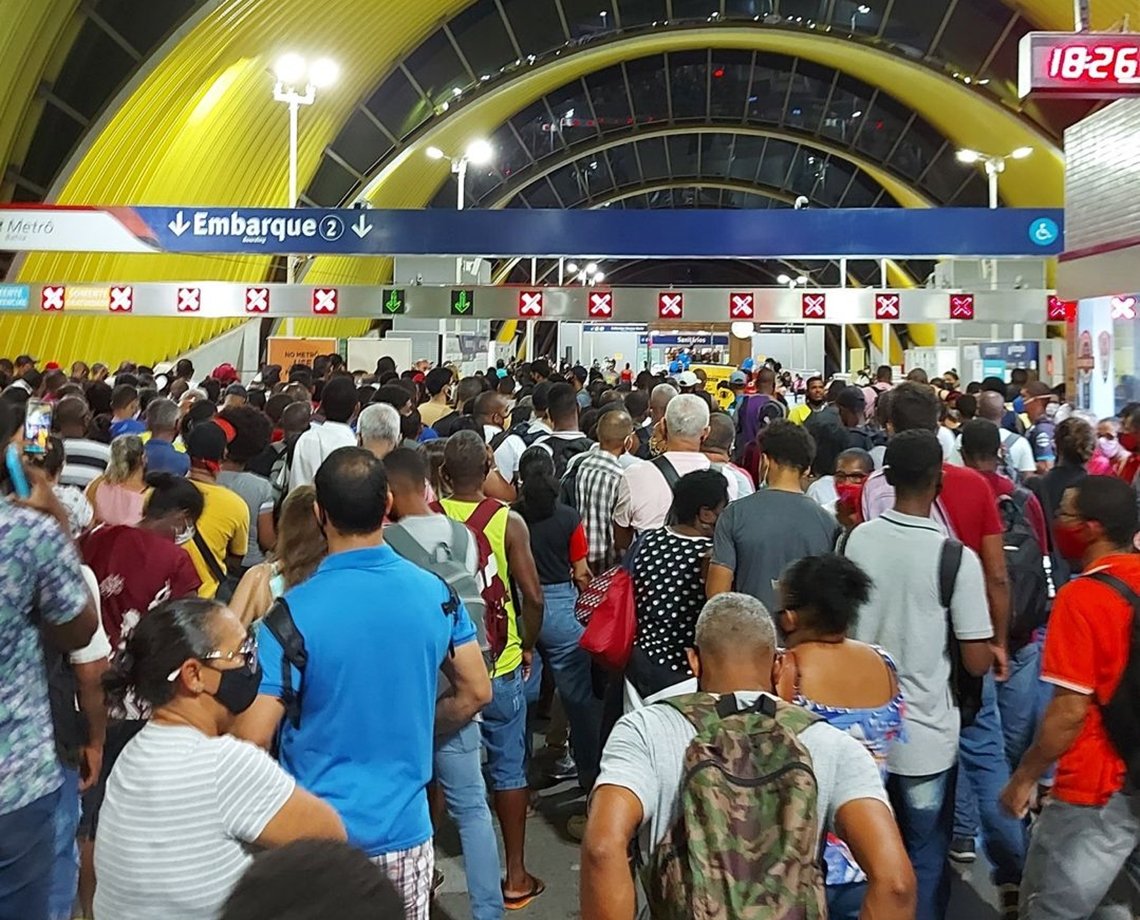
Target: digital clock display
<point x="1080" y="64"/>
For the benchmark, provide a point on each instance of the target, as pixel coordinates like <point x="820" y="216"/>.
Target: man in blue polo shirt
<point x="377" y="630"/>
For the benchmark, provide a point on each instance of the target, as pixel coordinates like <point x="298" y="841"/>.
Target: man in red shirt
<point x="1089" y="831"/>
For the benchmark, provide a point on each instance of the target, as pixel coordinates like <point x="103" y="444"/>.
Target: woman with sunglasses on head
<point x="186" y="801"/>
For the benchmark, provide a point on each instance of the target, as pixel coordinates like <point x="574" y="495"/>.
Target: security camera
<point x="801" y="202"/>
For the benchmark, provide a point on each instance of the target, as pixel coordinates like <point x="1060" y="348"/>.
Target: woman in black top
<point x="558" y="544"/>
<point x="669" y="568"/>
<point x="1075" y="441"/>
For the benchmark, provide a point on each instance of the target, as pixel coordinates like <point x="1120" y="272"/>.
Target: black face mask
<point x="237" y="688"/>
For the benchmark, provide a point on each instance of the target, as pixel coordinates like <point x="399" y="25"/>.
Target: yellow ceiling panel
<point x="1057" y="15"/>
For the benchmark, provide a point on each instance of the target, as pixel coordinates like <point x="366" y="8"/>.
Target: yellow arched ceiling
<point x="201" y="128"/>
<point x="34" y="33"/>
<point x="903" y="192"/>
<point x="964" y="116"/>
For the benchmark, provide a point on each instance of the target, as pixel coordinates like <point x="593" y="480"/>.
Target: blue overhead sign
<point x="518" y="232"/>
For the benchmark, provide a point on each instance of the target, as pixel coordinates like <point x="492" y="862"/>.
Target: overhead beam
<point x="901" y="191"/>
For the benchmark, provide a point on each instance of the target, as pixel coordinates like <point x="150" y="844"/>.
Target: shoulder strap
<point x="949" y="562"/>
<point x="1117" y="585"/>
<point x="407" y="546"/>
<point x="279" y="621"/>
<point x="665" y="468"/>
<point x="484" y="512"/>
<point x="209" y="558"/>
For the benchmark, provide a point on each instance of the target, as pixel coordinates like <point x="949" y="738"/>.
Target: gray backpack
<point x="448" y="560"/>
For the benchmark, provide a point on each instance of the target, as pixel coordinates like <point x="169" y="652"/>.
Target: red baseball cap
<point x="225" y="374"/>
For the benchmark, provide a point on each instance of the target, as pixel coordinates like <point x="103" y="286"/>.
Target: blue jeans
<point x="27" y="847"/>
<point x="558" y="643"/>
<point x="459" y="772"/>
<point x="1022" y="701"/>
<point x="504" y="732"/>
<point x="983" y="773"/>
<point x="845" y="902"/>
<point x="1082" y="861"/>
<point x="65" y="868"/>
<point x="924" y="809"/>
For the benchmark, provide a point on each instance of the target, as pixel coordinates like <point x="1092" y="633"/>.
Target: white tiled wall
<point x="1102" y="177"/>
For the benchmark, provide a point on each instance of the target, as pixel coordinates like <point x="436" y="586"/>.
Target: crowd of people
<point x="259" y="638"/>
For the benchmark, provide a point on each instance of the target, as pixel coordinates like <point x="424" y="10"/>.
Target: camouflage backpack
<point x="745" y="844"/>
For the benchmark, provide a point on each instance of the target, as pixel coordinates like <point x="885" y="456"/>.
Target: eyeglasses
<point x="247" y="652"/>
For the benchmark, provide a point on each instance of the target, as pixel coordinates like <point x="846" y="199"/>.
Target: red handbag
<point x="606" y="608"/>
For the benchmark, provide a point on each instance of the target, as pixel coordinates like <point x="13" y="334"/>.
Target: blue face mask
<point x="1019" y="405"/>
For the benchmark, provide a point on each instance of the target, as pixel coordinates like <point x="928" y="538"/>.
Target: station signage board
<point x="1079" y="65"/>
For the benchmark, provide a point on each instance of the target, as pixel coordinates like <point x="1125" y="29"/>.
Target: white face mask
<point x="185" y="536"/>
<point x="1110" y="447"/>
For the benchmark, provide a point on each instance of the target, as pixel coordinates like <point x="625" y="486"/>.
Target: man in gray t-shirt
<point x="759" y="536"/>
<point x="639" y="786"/>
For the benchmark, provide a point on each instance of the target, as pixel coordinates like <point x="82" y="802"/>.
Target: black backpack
<point x="964" y="686"/>
<point x="1026" y="562"/>
<point x="563" y="450"/>
<point x="521" y="430"/>
<point x="1120" y="714"/>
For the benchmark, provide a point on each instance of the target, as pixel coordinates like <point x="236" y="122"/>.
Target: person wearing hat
<point x="25" y="363"/>
<point x="738" y="383"/>
<point x="222" y="537"/>
<point x="1040" y="405"/>
<point x="225" y="374"/>
<point x="839" y="428"/>
<point x="687" y="381"/>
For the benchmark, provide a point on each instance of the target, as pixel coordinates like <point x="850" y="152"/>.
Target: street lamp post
<point x="297" y="82"/>
<point x="994" y="165"/>
<point x="480" y="152"/>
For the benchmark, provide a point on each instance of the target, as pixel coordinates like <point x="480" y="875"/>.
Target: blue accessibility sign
<point x="14" y="296"/>
<point x="1043" y="231"/>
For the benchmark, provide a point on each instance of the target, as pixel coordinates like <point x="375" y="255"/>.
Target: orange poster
<point x="289" y="351"/>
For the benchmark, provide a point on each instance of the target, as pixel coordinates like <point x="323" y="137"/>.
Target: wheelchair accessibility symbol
<point x="1044" y="232"/>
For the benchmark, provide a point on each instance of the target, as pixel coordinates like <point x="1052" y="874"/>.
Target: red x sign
<point x="887" y="306"/>
<point x="742" y="306"/>
<point x="51" y="298"/>
<point x="601" y="304"/>
<point x="122" y="299"/>
<point x="1124" y="308"/>
<point x="189" y="300"/>
<point x="961" y="306"/>
<point x="257" y="300"/>
<point x="530" y="304"/>
<point x="1059" y="310"/>
<point x="670" y="304"/>
<point x="325" y="301"/>
<point x="814" y="306"/>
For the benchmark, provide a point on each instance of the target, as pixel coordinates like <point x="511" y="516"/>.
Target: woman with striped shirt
<point x="185" y="801"/>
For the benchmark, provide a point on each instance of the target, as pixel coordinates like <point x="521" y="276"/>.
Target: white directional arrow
<point x="362" y="228"/>
<point x="179" y="225"/>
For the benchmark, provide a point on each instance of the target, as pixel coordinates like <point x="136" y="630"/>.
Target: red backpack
<point x="491" y="584"/>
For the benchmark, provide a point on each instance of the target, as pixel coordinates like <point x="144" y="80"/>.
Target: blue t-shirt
<point x="161" y="457"/>
<point x="127" y="426"/>
<point x="376" y="635"/>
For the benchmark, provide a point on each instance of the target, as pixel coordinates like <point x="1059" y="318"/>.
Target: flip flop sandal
<point x="524" y="900"/>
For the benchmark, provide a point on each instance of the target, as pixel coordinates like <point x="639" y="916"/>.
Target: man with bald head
<point x="591" y="484"/>
<point x="84" y="459"/>
<point x="1017" y="455"/>
<point x="644" y="762"/>
<point x="717" y="446"/>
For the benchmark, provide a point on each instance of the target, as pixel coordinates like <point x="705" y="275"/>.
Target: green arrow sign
<point x="394" y="302"/>
<point x="462" y="302"/>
